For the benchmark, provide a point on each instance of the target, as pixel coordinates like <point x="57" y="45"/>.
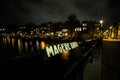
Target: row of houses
<point x="113" y="31"/>
<point x="57" y="30"/>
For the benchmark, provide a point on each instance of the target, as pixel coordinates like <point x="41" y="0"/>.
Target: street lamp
<point x="101" y="23"/>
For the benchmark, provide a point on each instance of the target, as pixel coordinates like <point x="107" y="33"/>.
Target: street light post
<point x="101" y="25"/>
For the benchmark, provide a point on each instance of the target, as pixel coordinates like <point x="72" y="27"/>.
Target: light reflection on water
<point x="42" y="45"/>
<point x="13" y="42"/>
<point x="26" y="46"/>
<point x="8" y="40"/>
<point x="20" y="47"/>
<point x="31" y="46"/>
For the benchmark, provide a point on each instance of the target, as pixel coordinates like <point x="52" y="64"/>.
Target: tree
<point x="31" y="26"/>
<point x="12" y="27"/>
<point x="72" y="22"/>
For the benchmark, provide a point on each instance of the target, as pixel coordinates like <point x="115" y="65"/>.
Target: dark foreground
<point x="111" y="60"/>
<point x="69" y="65"/>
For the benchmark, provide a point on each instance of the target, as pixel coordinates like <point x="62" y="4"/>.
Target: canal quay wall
<point x="60" y="60"/>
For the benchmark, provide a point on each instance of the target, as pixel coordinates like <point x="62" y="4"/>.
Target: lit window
<point x="84" y="24"/>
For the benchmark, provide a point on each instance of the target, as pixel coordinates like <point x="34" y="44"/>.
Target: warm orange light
<point x="65" y="55"/>
<point x="8" y="40"/>
<point x="31" y="46"/>
<point x="32" y="49"/>
<point x="19" y="46"/>
<point x="42" y="45"/>
<point x="30" y="43"/>
<point x="5" y="40"/>
<point x="13" y="42"/>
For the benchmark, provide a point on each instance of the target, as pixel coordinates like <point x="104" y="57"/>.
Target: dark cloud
<point x="13" y="11"/>
<point x="38" y="11"/>
<point x="114" y="9"/>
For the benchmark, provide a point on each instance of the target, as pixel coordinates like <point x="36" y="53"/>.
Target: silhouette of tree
<point x="12" y="27"/>
<point x="30" y="27"/>
<point x="72" y="22"/>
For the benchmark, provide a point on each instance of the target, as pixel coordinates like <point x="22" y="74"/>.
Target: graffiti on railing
<point x="59" y="48"/>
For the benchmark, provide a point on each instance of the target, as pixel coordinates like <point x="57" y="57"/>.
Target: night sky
<point x="39" y="11"/>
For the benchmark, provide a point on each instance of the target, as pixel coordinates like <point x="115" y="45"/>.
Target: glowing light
<point x="31" y="46"/>
<point x="97" y="28"/>
<point x="78" y="29"/>
<point x="101" y="21"/>
<point x="84" y="28"/>
<point x="52" y="33"/>
<point x="84" y="24"/>
<point x="19" y="46"/>
<point x="110" y="27"/>
<point x="8" y="40"/>
<point x="65" y="55"/>
<point x="43" y="45"/>
<point x="60" y="48"/>
<point x="64" y="30"/>
<point x="30" y="43"/>
<point x="13" y="42"/>
<point x="66" y="34"/>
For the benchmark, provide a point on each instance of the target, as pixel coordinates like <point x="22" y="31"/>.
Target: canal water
<point x="15" y="48"/>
